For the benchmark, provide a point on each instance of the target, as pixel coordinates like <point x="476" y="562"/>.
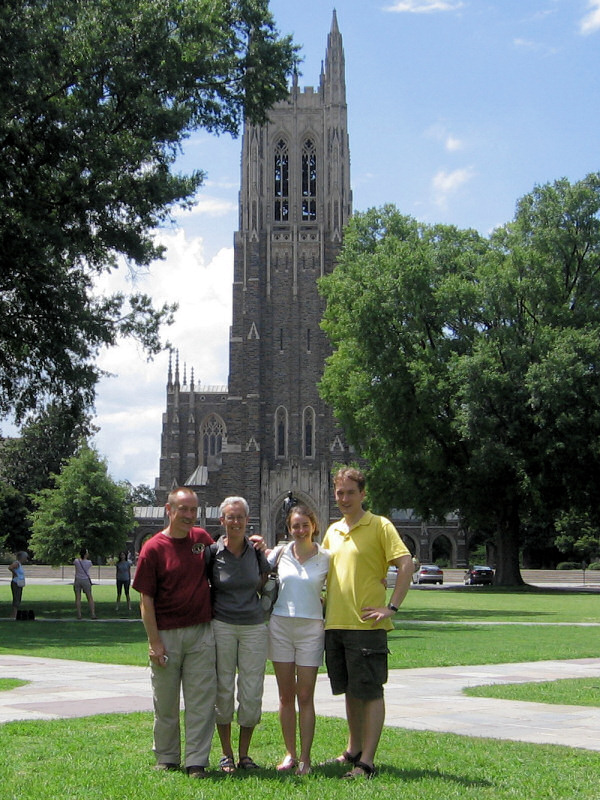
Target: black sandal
<point x="348" y="758"/>
<point x="366" y="771"/>
<point x="227" y="764"/>
<point x="247" y="763"/>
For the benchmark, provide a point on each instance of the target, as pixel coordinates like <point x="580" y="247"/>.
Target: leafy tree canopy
<point x="14" y="525"/>
<point x="96" y="98"/>
<point x="46" y="441"/>
<point x="139" y="495"/>
<point x="86" y="508"/>
<point x="466" y="369"/>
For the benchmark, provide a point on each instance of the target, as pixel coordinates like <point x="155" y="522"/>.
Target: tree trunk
<point x="508" y="571"/>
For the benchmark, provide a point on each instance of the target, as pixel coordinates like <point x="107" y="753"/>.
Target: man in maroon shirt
<point x="176" y="612"/>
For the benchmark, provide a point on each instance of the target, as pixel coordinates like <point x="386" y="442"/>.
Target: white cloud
<point x="130" y="404"/>
<point x="445" y="183"/>
<point x="535" y="47"/>
<point x="440" y="133"/>
<point x="591" y="22"/>
<point x="452" y="144"/>
<point x="525" y="44"/>
<point x="206" y="206"/>
<point x="423" y="6"/>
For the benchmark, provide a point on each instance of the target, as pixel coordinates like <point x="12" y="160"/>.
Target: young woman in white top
<point x="296" y="633"/>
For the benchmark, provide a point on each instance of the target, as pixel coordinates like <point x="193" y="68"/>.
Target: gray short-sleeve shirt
<point x="235" y="583"/>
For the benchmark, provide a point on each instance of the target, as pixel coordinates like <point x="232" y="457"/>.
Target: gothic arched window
<point x="212" y="432"/>
<point x="281" y="432"/>
<point x="309" y="181"/>
<point x="281" y="181"/>
<point x="308" y="428"/>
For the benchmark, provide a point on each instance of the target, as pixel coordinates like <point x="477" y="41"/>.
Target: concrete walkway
<point x="418" y="699"/>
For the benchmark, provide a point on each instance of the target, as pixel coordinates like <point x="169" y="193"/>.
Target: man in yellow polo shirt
<point x="362" y="545"/>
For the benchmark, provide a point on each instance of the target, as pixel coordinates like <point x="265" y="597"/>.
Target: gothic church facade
<point x="268" y="433"/>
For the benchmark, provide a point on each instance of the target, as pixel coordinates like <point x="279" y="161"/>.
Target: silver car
<point x="428" y="573"/>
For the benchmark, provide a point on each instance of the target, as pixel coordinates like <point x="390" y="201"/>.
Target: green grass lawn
<point x="108" y="758"/>
<point x="569" y="691"/>
<point x="463" y="604"/>
<point x="491" y="604"/>
<point x="6" y="684"/>
<point x="445" y="641"/>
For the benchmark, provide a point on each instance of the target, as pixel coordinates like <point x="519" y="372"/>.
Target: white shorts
<point x="296" y="640"/>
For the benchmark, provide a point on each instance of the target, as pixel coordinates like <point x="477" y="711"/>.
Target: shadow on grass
<point x="478" y="614"/>
<point x="332" y="771"/>
<point x="405" y="775"/>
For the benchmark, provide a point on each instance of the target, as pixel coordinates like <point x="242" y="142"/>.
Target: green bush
<point x="569" y="565"/>
<point x="594" y="565"/>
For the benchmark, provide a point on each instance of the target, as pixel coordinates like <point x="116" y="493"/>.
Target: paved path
<point x="418" y="699"/>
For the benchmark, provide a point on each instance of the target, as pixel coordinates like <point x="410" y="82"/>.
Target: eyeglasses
<point x="239" y="518"/>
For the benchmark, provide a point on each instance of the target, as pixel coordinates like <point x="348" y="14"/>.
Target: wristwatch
<point x="392" y="608"/>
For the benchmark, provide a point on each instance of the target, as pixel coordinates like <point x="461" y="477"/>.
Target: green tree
<point x="14" y="525"/>
<point x="578" y="537"/>
<point x="139" y="495"/>
<point x="96" y="98"/>
<point x="86" y="508"/>
<point x="467" y="369"/>
<point x="46" y="441"/>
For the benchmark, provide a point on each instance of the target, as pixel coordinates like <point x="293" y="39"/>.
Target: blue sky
<point x="455" y="110"/>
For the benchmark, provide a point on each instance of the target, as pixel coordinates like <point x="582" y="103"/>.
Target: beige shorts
<point x="296" y="640"/>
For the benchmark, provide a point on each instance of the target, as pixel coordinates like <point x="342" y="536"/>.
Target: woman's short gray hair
<point x="229" y="501"/>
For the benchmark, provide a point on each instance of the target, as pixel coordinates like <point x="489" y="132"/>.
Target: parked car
<point x="390" y="578"/>
<point x="481" y="575"/>
<point x="428" y="573"/>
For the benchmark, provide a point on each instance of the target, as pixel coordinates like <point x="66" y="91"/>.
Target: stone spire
<point x="333" y="80"/>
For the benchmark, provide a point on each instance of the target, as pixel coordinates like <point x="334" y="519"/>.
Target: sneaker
<point x="166" y="766"/>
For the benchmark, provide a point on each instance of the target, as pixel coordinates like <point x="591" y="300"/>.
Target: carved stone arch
<point x="278" y="515"/>
<point x="212" y="435"/>
<point x="412" y="542"/>
<point x="450" y="537"/>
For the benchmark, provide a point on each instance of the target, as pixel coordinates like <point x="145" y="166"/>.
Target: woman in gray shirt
<point x="238" y="571"/>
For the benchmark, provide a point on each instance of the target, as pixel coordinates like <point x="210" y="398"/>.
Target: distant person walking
<point x="83" y="582"/>
<point x="123" y="567"/>
<point x="18" y="581"/>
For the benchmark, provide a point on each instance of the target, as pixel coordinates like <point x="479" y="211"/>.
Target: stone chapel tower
<point x="268" y="432"/>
